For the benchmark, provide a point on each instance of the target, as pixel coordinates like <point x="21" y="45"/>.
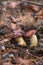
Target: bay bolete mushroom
<point x="33" y="38"/>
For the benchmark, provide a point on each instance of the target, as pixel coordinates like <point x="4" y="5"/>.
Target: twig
<point x="34" y="3"/>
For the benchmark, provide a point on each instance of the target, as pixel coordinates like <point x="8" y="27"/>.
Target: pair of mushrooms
<point x="31" y="35"/>
<point x="18" y="33"/>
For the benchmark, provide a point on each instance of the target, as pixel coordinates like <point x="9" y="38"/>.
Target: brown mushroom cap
<point x="30" y="33"/>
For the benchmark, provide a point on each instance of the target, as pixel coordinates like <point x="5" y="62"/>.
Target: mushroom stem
<point x="33" y="40"/>
<point x="21" y="41"/>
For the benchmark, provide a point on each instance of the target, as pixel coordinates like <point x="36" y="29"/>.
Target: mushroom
<point x="17" y="31"/>
<point x="33" y="38"/>
<point x="21" y="41"/>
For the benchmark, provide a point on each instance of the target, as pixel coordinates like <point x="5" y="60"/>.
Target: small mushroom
<point x="33" y="38"/>
<point x="21" y="41"/>
<point x="17" y="33"/>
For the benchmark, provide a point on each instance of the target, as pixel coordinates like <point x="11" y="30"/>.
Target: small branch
<point x="34" y="3"/>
